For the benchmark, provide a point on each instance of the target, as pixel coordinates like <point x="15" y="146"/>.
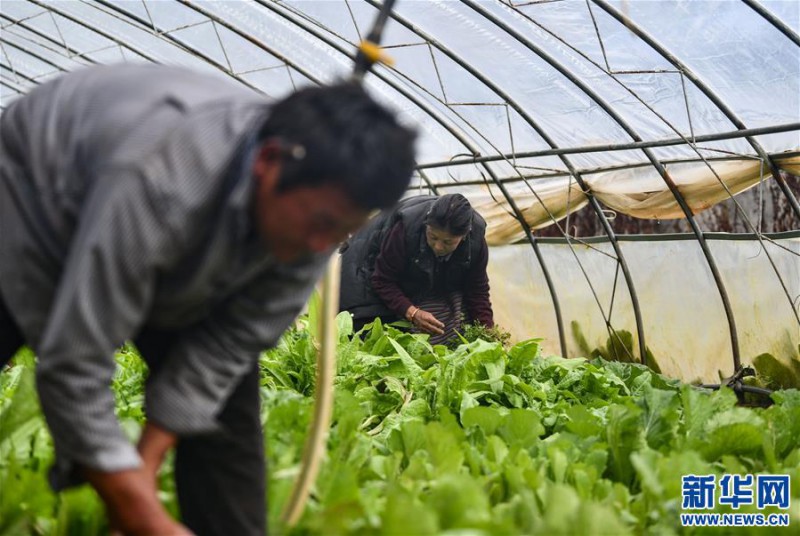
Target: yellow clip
<point x="374" y="53"/>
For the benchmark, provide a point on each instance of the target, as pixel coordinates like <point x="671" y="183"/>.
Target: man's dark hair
<point x="451" y="213"/>
<point x="339" y="134"/>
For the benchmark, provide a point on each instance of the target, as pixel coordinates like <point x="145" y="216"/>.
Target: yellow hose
<point x="314" y="448"/>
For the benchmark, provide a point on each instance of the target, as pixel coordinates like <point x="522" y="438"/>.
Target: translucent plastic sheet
<point x="502" y="76"/>
<point x="498" y="79"/>
<point x="683" y="319"/>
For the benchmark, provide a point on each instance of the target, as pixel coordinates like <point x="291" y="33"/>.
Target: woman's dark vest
<point x="417" y="279"/>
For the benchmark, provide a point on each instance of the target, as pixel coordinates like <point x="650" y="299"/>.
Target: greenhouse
<point x="637" y="167"/>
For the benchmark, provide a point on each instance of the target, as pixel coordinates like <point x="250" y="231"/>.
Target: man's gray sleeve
<point x="207" y="363"/>
<point x="102" y="298"/>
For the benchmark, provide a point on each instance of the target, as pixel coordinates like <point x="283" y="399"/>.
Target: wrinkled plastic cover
<point x="545" y="91"/>
<point x="482" y="78"/>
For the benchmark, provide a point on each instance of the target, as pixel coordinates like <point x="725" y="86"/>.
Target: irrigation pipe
<point x="316" y="440"/>
<point x="369" y="53"/>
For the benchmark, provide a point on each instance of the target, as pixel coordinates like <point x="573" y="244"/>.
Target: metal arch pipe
<point x="775" y="21"/>
<point x="238" y="32"/>
<point x="432" y="187"/>
<point x="28" y="28"/>
<point x="79" y="22"/>
<point x="707" y="91"/>
<point x="13" y="86"/>
<point x="21" y="75"/>
<point x="174" y="41"/>
<point x="182" y="46"/>
<point x="736" y="134"/>
<point x="272" y="52"/>
<point x="434" y="115"/>
<point x="779" y="177"/>
<point x="211" y="17"/>
<point x="35" y="55"/>
<point x="632" y="133"/>
<point x="573" y="171"/>
<point x="251" y="39"/>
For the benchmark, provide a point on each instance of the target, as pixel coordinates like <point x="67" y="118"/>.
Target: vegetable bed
<point x="427" y="440"/>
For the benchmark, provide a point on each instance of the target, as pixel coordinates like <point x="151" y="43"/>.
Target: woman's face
<point x="440" y="241"/>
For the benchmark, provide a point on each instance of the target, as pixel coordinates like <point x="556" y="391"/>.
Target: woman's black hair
<point x="339" y="134"/>
<point x="451" y="213"/>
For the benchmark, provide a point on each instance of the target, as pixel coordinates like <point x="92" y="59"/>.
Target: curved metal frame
<point x="572" y="170"/>
<point x="772" y="19"/>
<point x="420" y="104"/>
<point x="435" y="115"/>
<point x="660" y="49"/>
<point x="32" y="54"/>
<point x="779" y="176"/>
<point x="177" y="42"/>
<point x="705" y="160"/>
<point x="656" y="163"/>
<point x="735" y="134"/>
<point x="34" y="31"/>
<point x="12" y="86"/>
<point x="52" y="7"/>
<point x="17" y="73"/>
<point x="441" y="119"/>
<point x="707" y="91"/>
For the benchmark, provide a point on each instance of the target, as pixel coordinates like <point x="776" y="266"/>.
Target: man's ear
<point x="267" y="165"/>
<point x="270" y="150"/>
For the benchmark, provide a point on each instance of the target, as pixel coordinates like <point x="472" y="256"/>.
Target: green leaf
<point x="645" y="462"/>
<point x="487" y="419"/>
<point x="698" y="407"/>
<point x="784" y="421"/>
<point x="460" y="503"/>
<point x="314" y="314"/>
<point x="81" y="512"/>
<point x="624" y="436"/>
<point x="583" y="422"/>
<point x="406" y="514"/>
<point x="407" y="360"/>
<point x="24" y="497"/>
<point x="736" y="431"/>
<point x="659" y="417"/>
<point x="344" y="325"/>
<point x="521" y="427"/>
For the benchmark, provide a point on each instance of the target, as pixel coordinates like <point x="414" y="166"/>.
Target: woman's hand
<point x="424" y="321"/>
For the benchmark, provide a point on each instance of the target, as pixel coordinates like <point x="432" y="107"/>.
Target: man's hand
<point x="153" y="446"/>
<point x="131" y="497"/>
<point x="424" y="321"/>
<point x="132" y="505"/>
